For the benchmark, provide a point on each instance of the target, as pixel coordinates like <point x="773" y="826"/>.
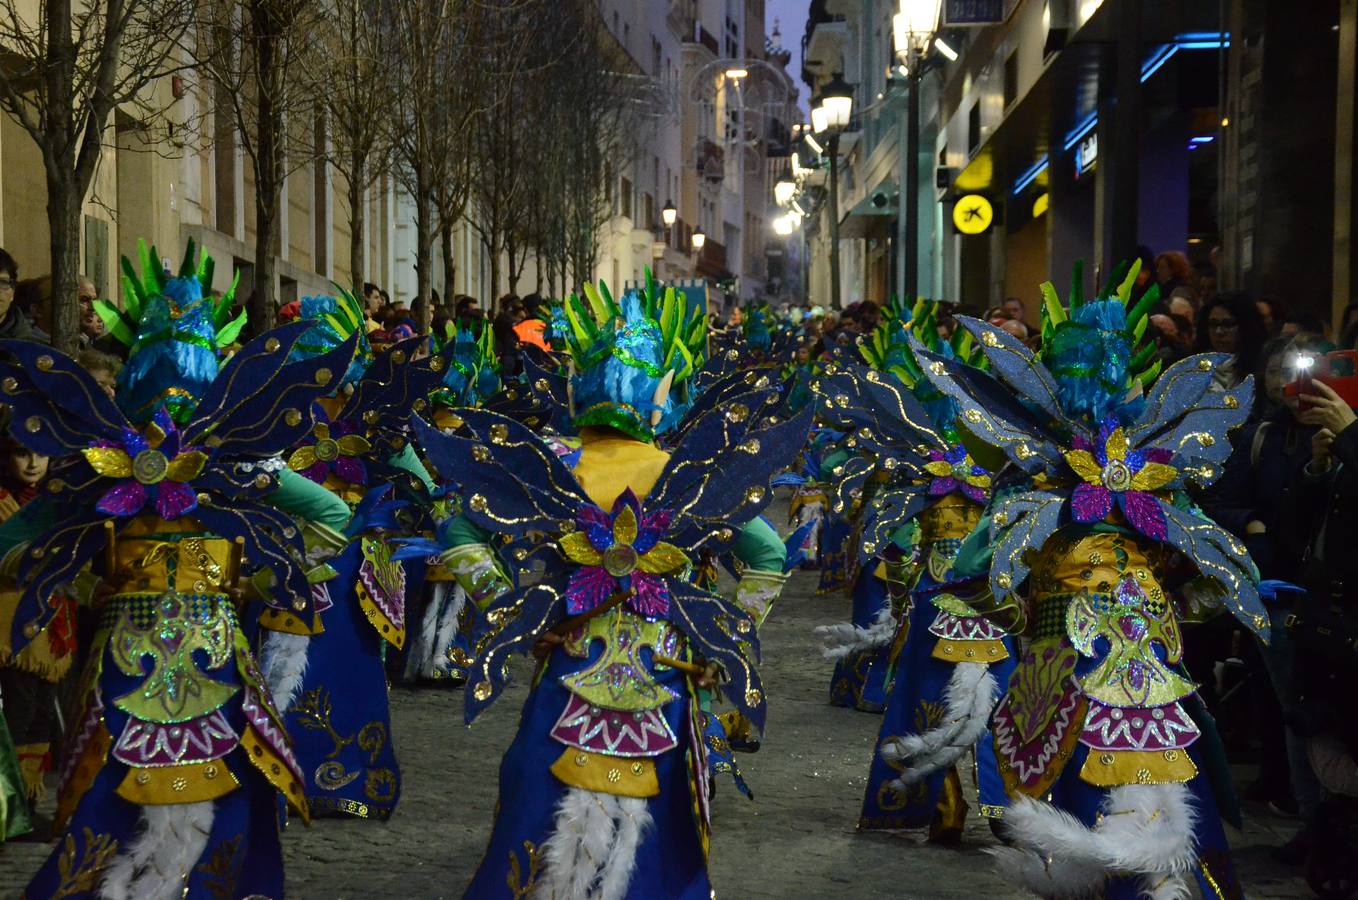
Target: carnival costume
<point x="328" y="672"/>
<point x="604" y="791"/>
<point x="173" y="495"/>
<point x="439" y="648"/>
<point x="946" y="668"/>
<point x="1098" y="733"/>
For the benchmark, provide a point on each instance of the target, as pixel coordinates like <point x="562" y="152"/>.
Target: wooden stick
<point x="566" y="626"/>
<point x="687" y="667"/>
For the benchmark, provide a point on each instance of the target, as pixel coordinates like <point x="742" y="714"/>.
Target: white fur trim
<point x="1144" y="831"/>
<point x="592" y="852"/>
<point x="967" y="701"/>
<point x="845" y="638"/>
<point x="156" y="863"/>
<point x="284" y="661"/>
<point x="428" y="653"/>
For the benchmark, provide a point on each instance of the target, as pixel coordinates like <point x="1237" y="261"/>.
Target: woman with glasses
<point x="1230" y="323"/>
<point x="13" y="323"/>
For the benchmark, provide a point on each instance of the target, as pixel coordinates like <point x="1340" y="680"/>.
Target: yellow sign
<point x="972" y="214"/>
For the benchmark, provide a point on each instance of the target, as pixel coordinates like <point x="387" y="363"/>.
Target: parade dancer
<point x="1098" y="735"/>
<point x="160" y="509"/>
<point x="604" y="791"/>
<point x="946" y="667"/>
<point x="328" y="673"/>
<point x="439" y="649"/>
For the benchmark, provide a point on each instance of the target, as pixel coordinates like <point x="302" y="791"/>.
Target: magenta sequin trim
<point x="147" y="744"/>
<point x="613" y="732"/>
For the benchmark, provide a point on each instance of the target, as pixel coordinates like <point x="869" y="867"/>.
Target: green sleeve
<point x="305" y="499"/>
<point x="976" y="552"/>
<point x="834" y="459"/>
<point x="460" y="531"/>
<point x="408" y="461"/>
<point x="906" y="536"/>
<point x="31" y="520"/>
<point x="759" y="547"/>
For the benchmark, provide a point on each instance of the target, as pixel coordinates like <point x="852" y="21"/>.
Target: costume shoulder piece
<point x="1078" y="419"/>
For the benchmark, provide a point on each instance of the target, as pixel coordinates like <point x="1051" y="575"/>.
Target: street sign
<point x="972" y="13"/>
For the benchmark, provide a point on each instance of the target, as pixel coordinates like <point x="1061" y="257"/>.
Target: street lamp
<point x="735" y="73"/>
<point x="699" y="238"/>
<point x="669" y="215"/>
<point x="913" y="27"/>
<point x="783" y="225"/>
<point x="783" y="191"/>
<point x="836" y="104"/>
<point x="913" y="30"/>
<point x="830" y="114"/>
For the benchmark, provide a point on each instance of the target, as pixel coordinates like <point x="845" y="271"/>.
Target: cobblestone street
<point x="796" y="840"/>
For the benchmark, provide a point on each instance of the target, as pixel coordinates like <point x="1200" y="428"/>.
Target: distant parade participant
<point x="946" y="667"/>
<point x="1106" y="751"/>
<point x="604" y="791"/>
<point x="170" y="511"/>
<point x="328" y="672"/>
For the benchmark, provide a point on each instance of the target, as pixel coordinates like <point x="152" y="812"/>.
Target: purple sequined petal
<point x="974" y="493"/>
<point x="316" y="472"/>
<point x="653" y="527"/>
<point x="351" y="470"/>
<point x="126" y="498"/>
<point x="589" y="586"/>
<point x="938" y="456"/>
<point x="1080" y="442"/>
<point x="940" y="486"/>
<point x="174" y="499"/>
<point x="1090" y="503"/>
<point x="652" y="597"/>
<point x="1144" y="514"/>
<point x="1158" y="455"/>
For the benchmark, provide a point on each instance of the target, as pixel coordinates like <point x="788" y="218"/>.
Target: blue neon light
<point x="1086" y="125"/>
<point x="1029" y="176"/>
<point x="1202" y="139"/>
<point x="1189" y="40"/>
<point x="1158" y="58"/>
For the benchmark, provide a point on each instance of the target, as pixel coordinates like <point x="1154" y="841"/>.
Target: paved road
<point x="796" y="841"/>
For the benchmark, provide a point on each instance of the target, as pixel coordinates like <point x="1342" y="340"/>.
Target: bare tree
<point x="261" y="50"/>
<point x="62" y="78"/>
<point x="357" y="85"/>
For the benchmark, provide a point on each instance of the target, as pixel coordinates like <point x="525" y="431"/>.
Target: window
<point x="96" y="254"/>
<point x="974" y="128"/>
<point x="655" y="57"/>
<point x="625" y="196"/>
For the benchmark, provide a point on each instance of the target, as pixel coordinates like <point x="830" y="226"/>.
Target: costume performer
<point x="946" y="669"/>
<point x="162" y="504"/>
<point x="328" y="673"/>
<point x="1098" y="735"/>
<point x="439" y="648"/>
<point x="604" y="791"/>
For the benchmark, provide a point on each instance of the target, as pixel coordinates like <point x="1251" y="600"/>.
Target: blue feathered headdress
<point x="174" y="334"/>
<point x="632" y="360"/>
<point x="336" y="319"/>
<point x="472" y="373"/>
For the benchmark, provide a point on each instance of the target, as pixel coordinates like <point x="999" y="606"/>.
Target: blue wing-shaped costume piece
<point x="1179" y="427"/>
<point x="255" y="408"/>
<point x="519" y="487"/>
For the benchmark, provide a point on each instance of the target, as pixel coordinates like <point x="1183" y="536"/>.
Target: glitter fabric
<point x="618" y="551"/>
<point x="153" y="469"/>
<point x="1115" y="474"/>
<point x="954" y="471"/>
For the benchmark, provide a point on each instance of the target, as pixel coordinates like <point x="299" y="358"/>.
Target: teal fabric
<point x="305" y="499"/>
<point x="759" y="547"/>
<point x="408" y="461"/>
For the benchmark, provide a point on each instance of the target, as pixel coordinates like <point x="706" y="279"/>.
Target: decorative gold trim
<point x="1113" y="768"/>
<point x="620" y="776"/>
<point x="952" y="651"/>
<point x="189" y="783"/>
